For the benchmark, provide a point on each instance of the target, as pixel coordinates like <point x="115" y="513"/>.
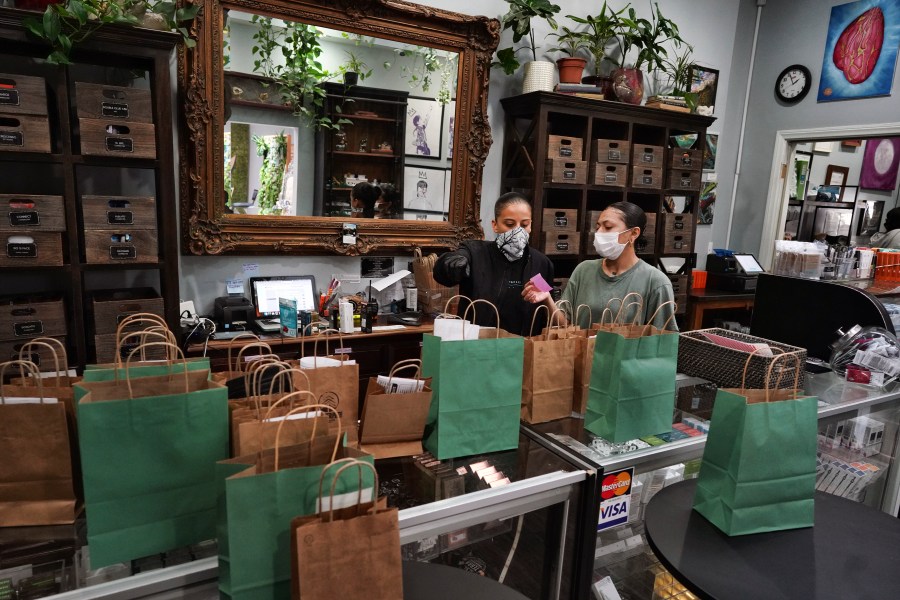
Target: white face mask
<point x="607" y="244"/>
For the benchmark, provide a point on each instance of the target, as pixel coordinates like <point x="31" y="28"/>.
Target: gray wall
<point x="792" y="31"/>
<point x="718" y="29"/>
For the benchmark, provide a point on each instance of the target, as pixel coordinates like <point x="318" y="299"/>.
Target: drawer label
<point x="611" y="177"/>
<point x="615" y="155"/>
<point x="686" y="160"/>
<point x="647" y="179"/>
<point x="9" y="97"/>
<point x="685" y="182"/>
<point x="648" y="157"/>
<point x="114" y="109"/>
<point x="23" y="218"/>
<point x="562" y="245"/>
<point x="120" y="217"/>
<point x="678" y="225"/>
<point x="28" y="328"/>
<point x="19" y="250"/>
<point x="561" y="221"/>
<point x="565" y="151"/>
<point x="678" y="245"/>
<point x="119" y="144"/>
<point x="12" y="138"/>
<point x="568" y="174"/>
<point x="122" y="252"/>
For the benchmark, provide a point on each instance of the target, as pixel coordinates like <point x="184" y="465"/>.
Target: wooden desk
<point x="703" y="300"/>
<point x="375" y="352"/>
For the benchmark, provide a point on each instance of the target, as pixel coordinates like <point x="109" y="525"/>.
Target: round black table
<point x="853" y="551"/>
<point x="427" y="581"/>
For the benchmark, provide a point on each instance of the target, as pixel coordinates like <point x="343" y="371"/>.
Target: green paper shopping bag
<point x="258" y="503"/>
<point x="759" y="465"/>
<point x="477" y="392"/>
<point x="148" y="451"/>
<point x="632" y="389"/>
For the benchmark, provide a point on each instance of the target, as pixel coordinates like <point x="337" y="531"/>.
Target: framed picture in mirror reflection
<point x="423" y="189"/>
<point x="423" y="128"/>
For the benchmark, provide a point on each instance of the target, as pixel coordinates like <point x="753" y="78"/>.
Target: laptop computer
<point x="266" y="291"/>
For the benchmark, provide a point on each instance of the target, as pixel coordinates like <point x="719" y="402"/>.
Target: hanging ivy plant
<point x="273" y="149"/>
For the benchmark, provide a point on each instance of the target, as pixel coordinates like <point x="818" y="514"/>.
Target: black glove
<point x="457" y="267"/>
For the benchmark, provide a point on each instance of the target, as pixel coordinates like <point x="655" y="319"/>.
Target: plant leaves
<point x="78" y="10"/>
<point x="51" y="25"/>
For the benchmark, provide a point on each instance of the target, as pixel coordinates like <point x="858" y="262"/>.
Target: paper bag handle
<point x="258" y="374"/>
<point x="649" y="323"/>
<point x="24" y="352"/>
<point x="590" y="313"/>
<point x="307" y="330"/>
<point x="141" y="347"/>
<point x="474" y="314"/>
<point x="346" y="463"/>
<point x="237" y="365"/>
<point x="747" y="364"/>
<point x="533" y="318"/>
<point x="405" y="364"/>
<point x="326" y="334"/>
<point x="23" y="366"/>
<point x="290" y="397"/>
<point x="306" y="408"/>
<point x="450" y="301"/>
<point x="795" y="389"/>
<point x="625" y="303"/>
<point x="163" y="334"/>
<point x="138" y="318"/>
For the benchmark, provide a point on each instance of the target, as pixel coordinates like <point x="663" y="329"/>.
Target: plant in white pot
<point x="538" y="74"/>
<point x="571" y="66"/>
<point x="649" y="37"/>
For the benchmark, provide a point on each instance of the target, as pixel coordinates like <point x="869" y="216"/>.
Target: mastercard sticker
<point x="615" y="498"/>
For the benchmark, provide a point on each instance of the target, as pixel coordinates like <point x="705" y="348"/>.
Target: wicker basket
<point x="723" y="366"/>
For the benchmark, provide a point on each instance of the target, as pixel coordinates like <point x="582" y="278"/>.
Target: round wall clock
<point x="793" y="84"/>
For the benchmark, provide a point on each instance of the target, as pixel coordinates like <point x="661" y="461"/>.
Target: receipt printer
<point x="732" y="272"/>
<point x="233" y="309"/>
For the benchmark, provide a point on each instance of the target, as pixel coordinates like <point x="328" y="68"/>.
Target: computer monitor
<point x="267" y="290"/>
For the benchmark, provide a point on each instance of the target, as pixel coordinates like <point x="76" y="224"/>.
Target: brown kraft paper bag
<point x="548" y="376"/>
<point x="393" y="424"/>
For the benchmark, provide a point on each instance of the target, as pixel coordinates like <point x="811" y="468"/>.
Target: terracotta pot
<point x="628" y="85"/>
<point x="570" y="69"/>
<point x="538" y="77"/>
<point x="603" y="82"/>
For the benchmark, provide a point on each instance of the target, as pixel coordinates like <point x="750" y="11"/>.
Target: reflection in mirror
<point x="310" y="112"/>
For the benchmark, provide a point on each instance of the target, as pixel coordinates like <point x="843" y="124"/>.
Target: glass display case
<point x="513" y="516"/>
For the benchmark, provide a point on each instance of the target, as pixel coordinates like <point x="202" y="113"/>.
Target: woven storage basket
<point x="698" y="357"/>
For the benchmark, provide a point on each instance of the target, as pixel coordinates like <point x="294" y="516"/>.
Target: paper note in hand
<point x="540" y="283"/>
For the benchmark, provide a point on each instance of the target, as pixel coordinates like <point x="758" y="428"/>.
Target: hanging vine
<point x="273" y="149"/>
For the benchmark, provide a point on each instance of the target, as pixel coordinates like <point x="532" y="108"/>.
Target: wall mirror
<point x="277" y="131"/>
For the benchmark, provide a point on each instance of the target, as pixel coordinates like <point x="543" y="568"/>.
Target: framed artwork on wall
<point x="703" y="83"/>
<point x="423" y="128"/>
<point x="423" y="189"/>
<point x="880" y="163"/>
<point x="709" y="151"/>
<point x="707" y="203"/>
<point x="870" y="221"/>
<point x="860" y="50"/>
<point x="836" y="175"/>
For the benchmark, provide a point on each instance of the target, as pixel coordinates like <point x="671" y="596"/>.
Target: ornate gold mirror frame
<point x="207" y="229"/>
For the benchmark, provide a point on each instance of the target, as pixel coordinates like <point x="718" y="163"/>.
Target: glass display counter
<point x="511" y="515"/>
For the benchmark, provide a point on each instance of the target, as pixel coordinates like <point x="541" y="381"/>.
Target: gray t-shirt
<point x="590" y="285"/>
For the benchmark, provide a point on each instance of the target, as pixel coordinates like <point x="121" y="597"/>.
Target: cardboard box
<point x="23" y="213"/>
<point x="24" y="133"/>
<point x="109" y="307"/>
<point x="31" y="248"/>
<point x="22" y="94"/>
<point x="610" y="151"/>
<point x="646" y="177"/>
<point x="120" y="139"/>
<point x="683" y="180"/>
<point x="113" y="102"/>
<point x="609" y="174"/>
<point x="647" y="156"/>
<point x="23" y="317"/>
<point x="560" y="170"/>
<point x="127" y="212"/>
<point x="685" y="159"/>
<point x="116" y="246"/>
<point x="560" y="219"/>
<point x="567" y="147"/>
<point x="561" y="243"/>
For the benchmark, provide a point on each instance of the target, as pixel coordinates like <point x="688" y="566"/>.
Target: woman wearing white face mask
<point x="618" y="273"/>
<point x="497" y="270"/>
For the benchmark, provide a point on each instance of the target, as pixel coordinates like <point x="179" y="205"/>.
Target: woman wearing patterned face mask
<point x="615" y="275"/>
<point x="497" y="270"/>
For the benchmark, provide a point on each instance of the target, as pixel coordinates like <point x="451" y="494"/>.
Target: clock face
<point x="793" y="84"/>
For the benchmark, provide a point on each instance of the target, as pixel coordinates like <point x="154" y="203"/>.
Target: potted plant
<point x="73" y="21"/>
<point x="649" y="37"/>
<point x="354" y="70"/>
<point x="678" y="71"/>
<point x="599" y="31"/>
<point x="538" y="74"/>
<point x="570" y="66"/>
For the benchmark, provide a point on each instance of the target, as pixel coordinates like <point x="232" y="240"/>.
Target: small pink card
<point x="540" y="283"/>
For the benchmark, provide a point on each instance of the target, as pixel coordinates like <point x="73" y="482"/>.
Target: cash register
<point x="729" y="271"/>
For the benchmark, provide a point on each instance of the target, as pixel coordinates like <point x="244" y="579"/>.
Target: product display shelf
<point x="476" y="530"/>
<point x="530" y="121"/>
<point x="112" y="54"/>
<point x="352" y="150"/>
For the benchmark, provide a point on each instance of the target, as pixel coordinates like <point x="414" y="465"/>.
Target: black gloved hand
<point x="457" y="267"/>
